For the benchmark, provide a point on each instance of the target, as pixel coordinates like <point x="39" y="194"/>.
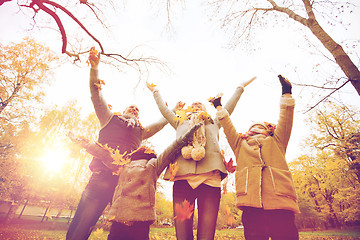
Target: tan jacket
<point x="263" y="179"/>
<point x="213" y="159"/>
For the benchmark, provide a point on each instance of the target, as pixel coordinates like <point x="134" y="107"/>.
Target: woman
<point x="198" y="179"/>
<point x="264" y="187"/>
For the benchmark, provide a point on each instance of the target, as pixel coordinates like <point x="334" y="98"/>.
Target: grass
<point x="50" y="231"/>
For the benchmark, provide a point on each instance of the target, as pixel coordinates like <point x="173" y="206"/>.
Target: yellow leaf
<point x="119" y="158"/>
<point x="151" y="85"/>
<point x="181" y="116"/>
<point x="173" y="168"/>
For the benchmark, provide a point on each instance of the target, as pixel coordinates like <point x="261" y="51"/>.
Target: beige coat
<point x="213" y="159"/>
<point x="263" y="179"/>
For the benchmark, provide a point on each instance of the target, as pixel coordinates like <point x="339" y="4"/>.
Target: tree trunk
<point x="341" y="58"/>
<point x="22" y="211"/>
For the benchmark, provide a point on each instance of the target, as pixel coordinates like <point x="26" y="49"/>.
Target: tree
<point x="337" y="128"/>
<point x="326" y="181"/>
<point x="24" y="71"/>
<point x="87" y="13"/>
<point x="242" y="17"/>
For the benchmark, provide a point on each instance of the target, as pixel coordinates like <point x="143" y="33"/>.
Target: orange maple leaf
<point x="120" y="159"/>
<point x="229" y="166"/>
<point x="173" y="168"/>
<point x="151" y="85"/>
<point x="184" y="210"/>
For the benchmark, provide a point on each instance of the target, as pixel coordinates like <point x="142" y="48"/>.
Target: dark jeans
<point x="96" y="196"/>
<point x="260" y="224"/>
<point x="137" y="231"/>
<point x="208" y="200"/>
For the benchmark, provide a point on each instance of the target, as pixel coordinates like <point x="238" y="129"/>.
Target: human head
<point x="269" y="128"/>
<point x="198" y="106"/>
<point x="132" y="110"/>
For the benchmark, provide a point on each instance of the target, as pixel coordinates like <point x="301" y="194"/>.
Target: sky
<point x="200" y="66"/>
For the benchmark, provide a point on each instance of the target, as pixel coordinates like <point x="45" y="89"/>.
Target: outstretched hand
<point x="286" y="85"/>
<point x="151" y="87"/>
<point x="245" y="83"/>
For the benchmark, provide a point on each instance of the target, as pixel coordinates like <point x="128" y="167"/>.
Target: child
<point x="264" y="186"/>
<point x="133" y="208"/>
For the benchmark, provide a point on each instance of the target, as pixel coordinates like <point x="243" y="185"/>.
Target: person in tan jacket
<point x="264" y="186"/>
<point x="133" y="204"/>
<point x="198" y="179"/>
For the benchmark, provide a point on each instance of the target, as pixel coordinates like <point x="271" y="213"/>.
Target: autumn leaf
<point x="83" y="1"/>
<point x="106" y="147"/>
<point x="110" y="107"/>
<point x="120" y="159"/>
<point x="204" y="116"/>
<point x="184" y="210"/>
<point x="229" y="166"/>
<point x="173" y="168"/>
<point x="151" y="85"/>
<point x="181" y="116"/>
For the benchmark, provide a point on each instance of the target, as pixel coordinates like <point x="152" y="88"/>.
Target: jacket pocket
<point x="242" y="181"/>
<point x="282" y="182"/>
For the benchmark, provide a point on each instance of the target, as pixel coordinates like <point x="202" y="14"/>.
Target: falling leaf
<point x="110" y="107"/>
<point x="184" y="210"/>
<point x="181" y="116"/>
<point x="229" y="166"/>
<point x="173" y="168"/>
<point x="120" y="159"/>
<point x="151" y="85"/>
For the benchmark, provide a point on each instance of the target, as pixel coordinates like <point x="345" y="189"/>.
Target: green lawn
<point x="37" y="232"/>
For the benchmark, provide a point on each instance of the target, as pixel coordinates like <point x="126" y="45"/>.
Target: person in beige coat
<point x="264" y="187"/>
<point x="133" y="205"/>
<point x="198" y="179"/>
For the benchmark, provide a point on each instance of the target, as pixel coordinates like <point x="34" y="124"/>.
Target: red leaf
<point x="184" y="210"/>
<point x="229" y="166"/>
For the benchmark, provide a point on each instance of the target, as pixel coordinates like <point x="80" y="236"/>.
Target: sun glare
<point x="54" y="160"/>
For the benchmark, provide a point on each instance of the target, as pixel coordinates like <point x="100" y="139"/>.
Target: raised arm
<point x="231" y="104"/>
<point x="168" y="114"/>
<point x="287" y="104"/>
<point x="155" y="127"/>
<point x="102" y="110"/>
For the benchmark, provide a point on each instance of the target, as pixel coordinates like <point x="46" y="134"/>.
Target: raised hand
<point x="286" y="85"/>
<point x="216" y="101"/>
<point x="245" y="83"/>
<point x="151" y="87"/>
<point x="94" y="58"/>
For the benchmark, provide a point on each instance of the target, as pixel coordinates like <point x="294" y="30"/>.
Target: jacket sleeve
<point x="102" y="154"/>
<point x="231" y="103"/>
<point x="231" y="134"/>
<point x="168" y="114"/>
<point x="153" y="128"/>
<point x="283" y="129"/>
<point x="171" y="152"/>
<point x="102" y="110"/>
